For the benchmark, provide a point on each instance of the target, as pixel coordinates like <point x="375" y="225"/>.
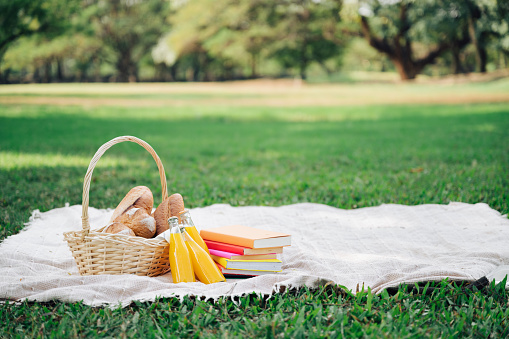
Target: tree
<point x="39" y="52"/>
<point x="308" y="32"/>
<point x="294" y="32"/>
<point x="129" y="28"/>
<point x="502" y="10"/>
<point x="20" y="18"/>
<point x="401" y="25"/>
<point x="486" y="22"/>
<point x="235" y="33"/>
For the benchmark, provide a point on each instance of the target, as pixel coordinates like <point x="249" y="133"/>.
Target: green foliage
<point x="309" y="34"/>
<point x="428" y="22"/>
<point x="21" y="18"/>
<point x="24" y="17"/>
<point x="129" y="28"/>
<point x="37" y="50"/>
<point x="203" y="40"/>
<point x="415" y="33"/>
<point x="294" y="32"/>
<point x="360" y="56"/>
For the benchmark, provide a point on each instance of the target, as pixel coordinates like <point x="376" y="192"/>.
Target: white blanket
<point x="377" y="247"/>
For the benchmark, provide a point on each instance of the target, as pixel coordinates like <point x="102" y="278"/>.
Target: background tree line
<point x="210" y="40"/>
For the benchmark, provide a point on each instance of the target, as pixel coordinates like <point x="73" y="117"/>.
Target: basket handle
<point x="88" y="177"/>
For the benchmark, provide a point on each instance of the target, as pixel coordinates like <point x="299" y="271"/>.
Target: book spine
<point x="253" y="257"/>
<point x="225" y="247"/>
<point x="221" y="261"/>
<point x="223" y="254"/>
<point x="229" y="239"/>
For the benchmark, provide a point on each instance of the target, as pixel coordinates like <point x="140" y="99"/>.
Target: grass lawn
<point x="236" y="145"/>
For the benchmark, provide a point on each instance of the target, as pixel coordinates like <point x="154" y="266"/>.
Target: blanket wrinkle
<point x="376" y="247"/>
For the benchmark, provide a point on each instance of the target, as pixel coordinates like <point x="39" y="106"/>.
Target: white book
<point x="245" y="272"/>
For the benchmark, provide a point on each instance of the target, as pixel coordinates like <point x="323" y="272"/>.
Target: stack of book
<point x="245" y="251"/>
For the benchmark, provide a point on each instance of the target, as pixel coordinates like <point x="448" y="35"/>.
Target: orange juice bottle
<point x="191" y="229"/>
<point x="180" y="259"/>
<point x="204" y="266"/>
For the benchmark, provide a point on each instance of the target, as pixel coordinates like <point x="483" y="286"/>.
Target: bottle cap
<point x="174" y="224"/>
<point x="185" y="216"/>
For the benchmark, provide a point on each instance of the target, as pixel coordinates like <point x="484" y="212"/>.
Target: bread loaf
<point x="176" y="205"/>
<point x="170" y="207"/>
<point x="138" y="220"/>
<point x="118" y="228"/>
<point x="161" y="215"/>
<point x="137" y="197"/>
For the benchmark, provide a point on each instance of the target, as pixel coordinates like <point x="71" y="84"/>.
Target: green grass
<point x="347" y="157"/>
<point x="451" y="310"/>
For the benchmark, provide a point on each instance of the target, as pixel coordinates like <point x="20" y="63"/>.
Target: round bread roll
<point x="170" y="207"/>
<point x="138" y="220"/>
<point x="137" y="197"/>
<point x="118" y="228"/>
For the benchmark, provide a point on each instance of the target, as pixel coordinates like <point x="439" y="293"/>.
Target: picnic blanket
<point x="378" y="247"/>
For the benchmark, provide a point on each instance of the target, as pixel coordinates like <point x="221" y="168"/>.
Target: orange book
<point x="246" y="236"/>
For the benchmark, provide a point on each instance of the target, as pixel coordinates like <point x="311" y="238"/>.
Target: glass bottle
<point x="180" y="259"/>
<point x="204" y="266"/>
<point x="191" y="229"/>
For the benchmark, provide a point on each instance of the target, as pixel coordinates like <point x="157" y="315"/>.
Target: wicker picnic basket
<point x="104" y="253"/>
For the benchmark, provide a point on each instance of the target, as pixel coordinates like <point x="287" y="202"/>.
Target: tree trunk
<point x="303" y="61"/>
<point x="36" y="77"/>
<point x="173" y="72"/>
<point x="502" y="60"/>
<point x="456" y="61"/>
<point x="399" y="49"/>
<point x="483" y="59"/>
<point x="97" y="69"/>
<point x="480" y="51"/>
<point x="160" y="73"/>
<point x="127" y="69"/>
<point x="196" y="67"/>
<point x="302" y="70"/>
<point x="60" y="71"/>
<point x="254" y="74"/>
<point x="405" y="68"/>
<point x="4" y="76"/>
<point x="204" y="63"/>
<point x="47" y="72"/>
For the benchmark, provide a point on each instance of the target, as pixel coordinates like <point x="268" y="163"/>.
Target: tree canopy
<point x="413" y="34"/>
<point x="200" y="40"/>
<point x="19" y="18"/>
<point x="128" y="28"/>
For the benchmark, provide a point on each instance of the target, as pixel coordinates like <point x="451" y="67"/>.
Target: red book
<point x="241" y="250"/>
<point x="236" y="256"/>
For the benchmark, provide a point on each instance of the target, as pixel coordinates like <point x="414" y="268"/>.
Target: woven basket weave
<point x="104" y="253"/>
